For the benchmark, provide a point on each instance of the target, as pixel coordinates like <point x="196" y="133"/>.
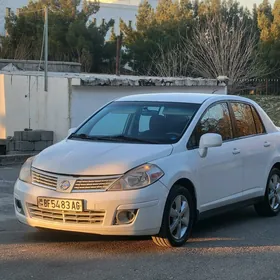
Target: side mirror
<point x="71" y="130"/>
<point x="209" y="140"/>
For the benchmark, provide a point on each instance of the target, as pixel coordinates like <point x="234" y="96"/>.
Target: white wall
<point x="49" y="110"/>
<point x="119" y="9"/>
<point x="16" y="103"/>
<point x="25" y="104"/>
<point x="116" y="11"/>
<point x="86" y="100"/>
<point x="109" y="9"/>
<point x="2" y="108"/>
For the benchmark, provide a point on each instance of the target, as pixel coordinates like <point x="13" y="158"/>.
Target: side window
<point x="111" y="124"/>
<point x="259" y="125"/>
<point x="215" y="120"/>
<point x="245" y="124"/>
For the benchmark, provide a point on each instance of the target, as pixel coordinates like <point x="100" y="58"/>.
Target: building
<point x="109" y="9"/>
<point x="73" y="97"/>
<point x="13" y="4"/>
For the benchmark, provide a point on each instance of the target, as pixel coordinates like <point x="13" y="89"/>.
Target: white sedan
<point x="154" y="164"/>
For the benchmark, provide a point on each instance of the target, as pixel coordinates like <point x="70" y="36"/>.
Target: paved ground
<point x="239" y="245"/>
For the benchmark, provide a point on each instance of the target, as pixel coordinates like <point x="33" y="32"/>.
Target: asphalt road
<point x="239" y="245"/>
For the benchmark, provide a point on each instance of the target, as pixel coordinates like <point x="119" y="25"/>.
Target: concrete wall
<point x="2" y="109"/>
<point x="25" y="104"/>
<point x="86" y="100"/>
<point x="16" y="103"/>
<point x="33" y="65"/>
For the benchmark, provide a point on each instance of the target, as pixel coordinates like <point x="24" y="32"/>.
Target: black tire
<point x="166" y="238"/>
<point x="264" y="207"/>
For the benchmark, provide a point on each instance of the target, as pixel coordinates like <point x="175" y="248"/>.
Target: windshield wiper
<point x="78" y="136"/>
<point x="118" y="138"/>
<point x="131" y="139"/>
<point x="88" y="137"/>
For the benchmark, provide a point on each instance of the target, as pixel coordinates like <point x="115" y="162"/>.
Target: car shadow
<point x="221" y="230"/>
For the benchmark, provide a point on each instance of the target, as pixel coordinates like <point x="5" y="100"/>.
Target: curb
<point x="14" y="159"/>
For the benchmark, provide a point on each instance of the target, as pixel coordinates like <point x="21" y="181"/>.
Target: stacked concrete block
<point x="3" y="146"/>
<point x="30" y="141"/>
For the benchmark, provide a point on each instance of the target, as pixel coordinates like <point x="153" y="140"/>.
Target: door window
<point x="245" y="124"/>
<point x="215" y="120"/>
<point x="259" y="125"/>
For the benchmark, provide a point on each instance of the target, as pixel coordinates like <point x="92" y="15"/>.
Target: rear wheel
<point x="178" y="218"/>
<point x="270" y="206"/>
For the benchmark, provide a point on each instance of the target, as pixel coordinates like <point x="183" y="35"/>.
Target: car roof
<point x="195" y="98"/>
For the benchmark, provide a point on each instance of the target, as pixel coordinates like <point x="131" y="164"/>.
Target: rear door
<point x="254" y="144"/>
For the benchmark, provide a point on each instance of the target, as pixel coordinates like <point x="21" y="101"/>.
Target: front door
<point x="220" y="172"/>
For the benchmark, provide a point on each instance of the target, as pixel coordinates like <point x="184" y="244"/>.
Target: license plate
<point x="60" y="204"/>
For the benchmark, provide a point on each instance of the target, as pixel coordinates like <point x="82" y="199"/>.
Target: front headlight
<point x="138" y="178"/>
<point x="25" y="172"/>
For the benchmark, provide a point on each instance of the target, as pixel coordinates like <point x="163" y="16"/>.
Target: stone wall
<point x="11" y="65"/>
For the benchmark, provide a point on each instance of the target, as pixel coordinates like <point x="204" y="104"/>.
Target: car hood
<point x="75" y="157"/>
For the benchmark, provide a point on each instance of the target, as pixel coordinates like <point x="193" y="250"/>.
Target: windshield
<point x="141" y="122"/>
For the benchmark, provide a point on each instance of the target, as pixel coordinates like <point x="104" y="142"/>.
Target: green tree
<point x="72" y="35"/>
<point x="275" y="26"/>
<point x="255" y="21"/>
<point x="265" y="19"/>
<point x="145" y="16"/>
<point x="157" y="32"/>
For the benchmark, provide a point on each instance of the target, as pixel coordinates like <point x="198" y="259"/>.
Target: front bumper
<point x="149" y="203"/>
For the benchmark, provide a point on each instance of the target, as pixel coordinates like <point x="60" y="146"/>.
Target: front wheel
<point x="178" y="218"/>
<point x="270" y="206"/>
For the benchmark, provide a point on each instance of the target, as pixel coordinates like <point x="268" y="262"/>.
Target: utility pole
<point x="46" y="47"/>
<point x="118" y="54"/>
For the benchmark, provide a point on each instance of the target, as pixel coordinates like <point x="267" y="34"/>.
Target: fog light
<point x="125" y="217"/>
<point x="19" y="206"/>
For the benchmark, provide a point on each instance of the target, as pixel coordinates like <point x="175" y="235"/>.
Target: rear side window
<point x="245" y="124"/>
<point x="259" y="125"/>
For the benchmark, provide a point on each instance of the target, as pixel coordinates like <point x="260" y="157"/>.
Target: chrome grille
<point x="94" y="184"/>
<point x="68" y="217"/>
<point x="44" y="180"/>
<point x="82" y="184"/>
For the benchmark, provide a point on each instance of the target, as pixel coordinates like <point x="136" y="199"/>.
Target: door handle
<point x="236" y="151"/>
<point x="266" y="144"/>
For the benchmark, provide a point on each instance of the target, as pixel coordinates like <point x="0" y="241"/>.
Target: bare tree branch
<point x="221" y="48"/>
<point x="171" y="63"/>
<point x="24" y="49"/>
